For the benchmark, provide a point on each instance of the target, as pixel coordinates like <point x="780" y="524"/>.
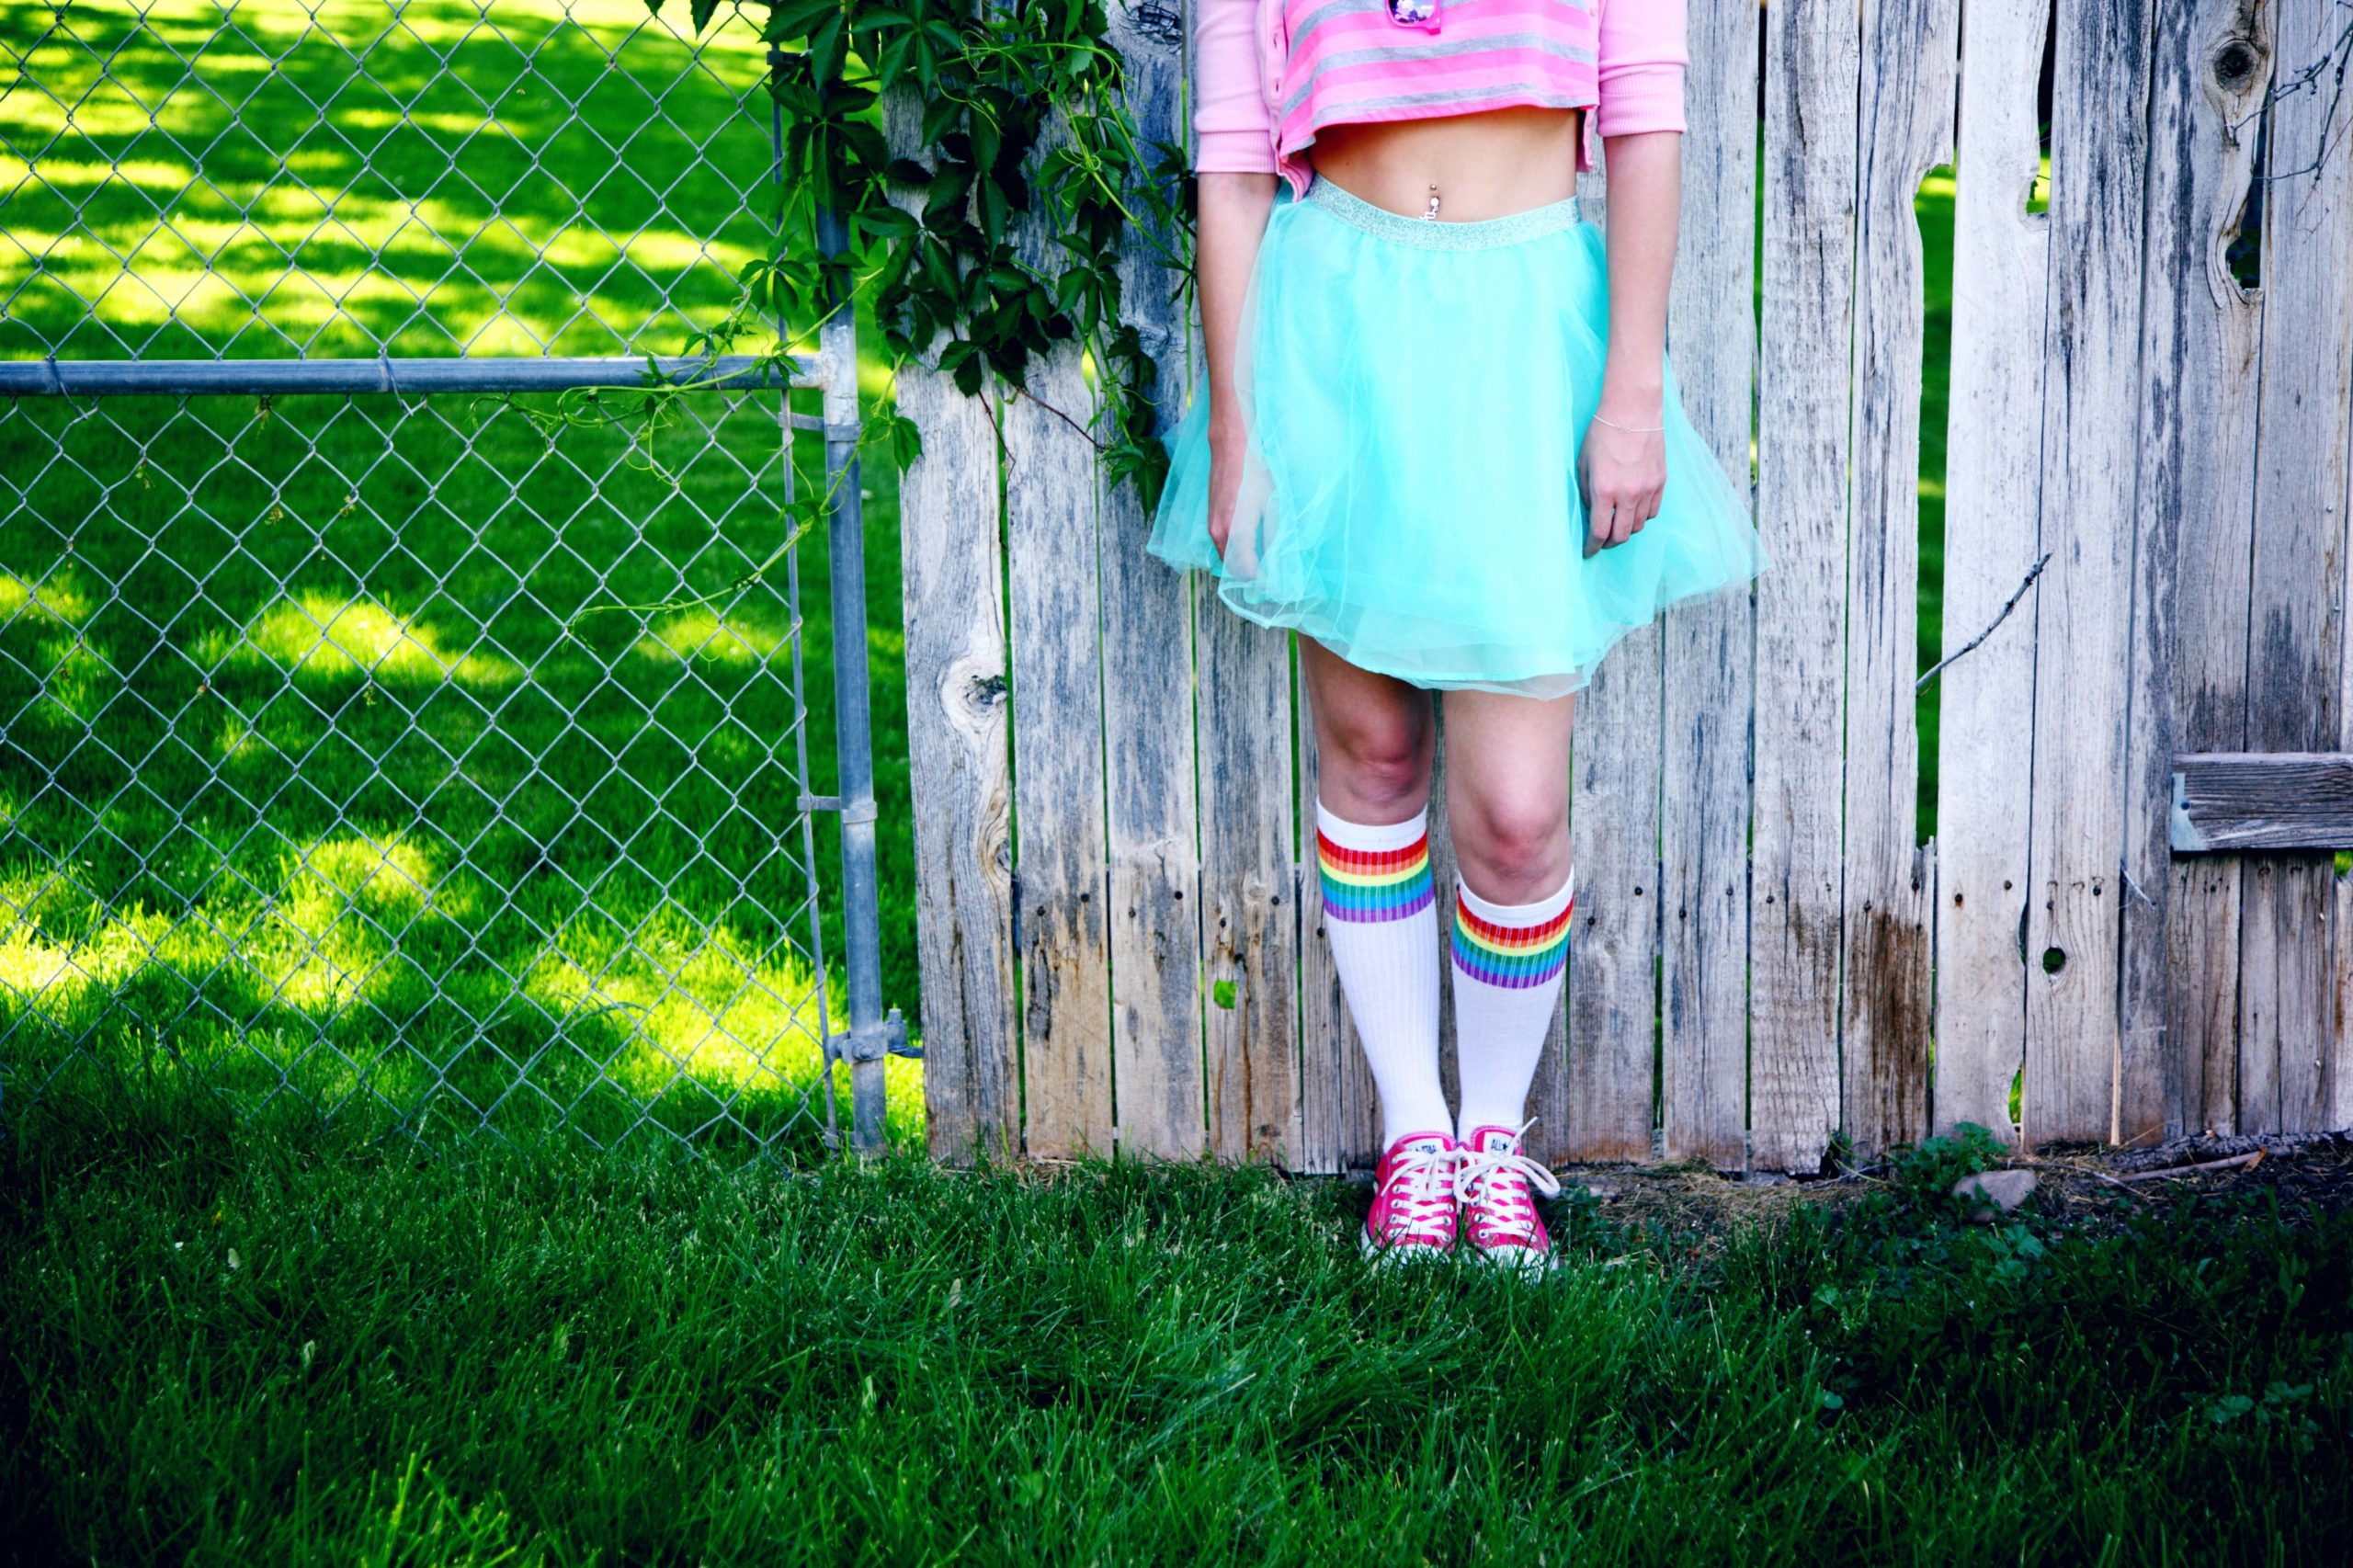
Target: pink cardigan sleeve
<point x="1641" y="55"/>
<point x="1235" y="133"/>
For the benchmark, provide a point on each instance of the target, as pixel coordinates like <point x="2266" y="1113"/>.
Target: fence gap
<point x="1709" y="688"/>
<point x="1933" y="207"/>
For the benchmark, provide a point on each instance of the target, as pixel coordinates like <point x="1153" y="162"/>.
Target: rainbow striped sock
<point x="1512" y="957"/>
<point x="1508" y="963"/>
<point x="1381" y="924"/>
<point x="1374" y="885"/>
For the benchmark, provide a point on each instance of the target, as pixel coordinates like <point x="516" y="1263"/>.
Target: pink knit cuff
<point x="1234" y="152"/>
<point x="1636" y="98"/>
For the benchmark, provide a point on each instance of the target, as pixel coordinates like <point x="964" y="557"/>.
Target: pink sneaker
<point x="1498" y="1212"/>
<point x="1413" y="1205"/>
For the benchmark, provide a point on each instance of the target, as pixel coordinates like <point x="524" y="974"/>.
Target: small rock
<point x="2003" y="1190"/>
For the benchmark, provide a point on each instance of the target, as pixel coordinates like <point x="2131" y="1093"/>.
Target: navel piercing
<point x="1433" y="211"/>
<point x="1630" y="430"/>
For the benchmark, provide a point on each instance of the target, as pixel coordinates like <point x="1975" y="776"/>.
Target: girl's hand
<point x="1622" y="474"/>
<point x="1227" y="443"/>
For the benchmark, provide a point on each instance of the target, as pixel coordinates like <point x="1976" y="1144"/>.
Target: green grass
<point x="219" y="1348"/>
<point x="326" y="769"/>
<point x="323" y="770"/>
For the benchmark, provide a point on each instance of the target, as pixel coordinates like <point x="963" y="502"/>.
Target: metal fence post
<point x="872" y="1037"/>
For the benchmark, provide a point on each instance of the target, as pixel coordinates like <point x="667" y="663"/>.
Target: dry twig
<point x="2250" y="1161"/>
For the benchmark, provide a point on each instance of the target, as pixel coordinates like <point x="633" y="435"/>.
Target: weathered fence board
<point x="1907" y="62"/>
<point x="2201" y="339"/>
<point x="1062" y="856"/>
<point x="1338" y="1109"/>
<point x="1154" y="827"/>
<point x="1709" y="686"/>
<point x="2090" y="450"/>
<point x="1613" y="977"/>
<point x="2296" y="607"/>
<point x="1342" y="1107"/>
<point x="960" y="766"/>
<point x="959" y="761"/>
<point x="1812" y="79"/>
<point x="1607" y="1049"/>
<point x="2337" y="1084"/>
<point x="1248" y="935"/>
<point x="1444" y="870"/>
<point x="1992" y="470"/>
<point x="1154" y="852"/>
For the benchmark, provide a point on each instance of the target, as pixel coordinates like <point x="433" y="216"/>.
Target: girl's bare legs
<point x="1374" y="737"/>
<point x="1507" y="809"/>
<point x="1508" y="791"/>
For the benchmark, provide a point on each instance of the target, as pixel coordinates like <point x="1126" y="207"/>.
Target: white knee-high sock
<point x="1381" y="917"/>
<point x="1508" y="959"/>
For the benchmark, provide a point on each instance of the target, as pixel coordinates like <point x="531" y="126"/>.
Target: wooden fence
<point x="1118" y="947"/>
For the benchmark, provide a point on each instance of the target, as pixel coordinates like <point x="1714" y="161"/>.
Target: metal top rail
<point x="52" y="376"/>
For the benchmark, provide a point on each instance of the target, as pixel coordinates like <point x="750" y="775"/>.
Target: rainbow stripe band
<point x="1512" y="957"/>
<point x="1374" y="884"/>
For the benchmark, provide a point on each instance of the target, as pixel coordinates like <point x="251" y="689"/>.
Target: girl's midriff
<point x="1487" y="164"/>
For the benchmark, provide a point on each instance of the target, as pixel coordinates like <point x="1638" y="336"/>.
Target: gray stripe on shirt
<point x="1332" y="9"/>
<point x="1453" y="48"/>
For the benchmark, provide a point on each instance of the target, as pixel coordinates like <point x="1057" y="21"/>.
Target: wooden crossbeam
<point x="2236" y="801"/>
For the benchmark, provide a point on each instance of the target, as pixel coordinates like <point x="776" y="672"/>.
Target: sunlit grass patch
<point x="61" y="597"/>
<point x="75" y="682"/>
<point x="322" y="989"/>
<point x="704" y="634"/>
<point x="339" y="174"/>
<point x="330" y="639"/>
<point x="60" y="979"/>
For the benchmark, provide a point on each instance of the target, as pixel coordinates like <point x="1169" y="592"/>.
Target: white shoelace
<point x="1500" y="1179"/>
<point x="1422" y="1190"/>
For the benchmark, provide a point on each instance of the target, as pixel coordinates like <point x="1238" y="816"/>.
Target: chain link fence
<point x="399" y="718"/>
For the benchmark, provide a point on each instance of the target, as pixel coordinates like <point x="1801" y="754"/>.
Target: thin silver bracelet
<point x="1630" y="430"/>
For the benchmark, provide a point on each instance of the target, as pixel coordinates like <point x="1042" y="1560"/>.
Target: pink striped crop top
<point x="1269" y="74"/>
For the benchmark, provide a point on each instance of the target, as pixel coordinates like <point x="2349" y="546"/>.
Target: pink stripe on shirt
<point x="1263" y="89"/>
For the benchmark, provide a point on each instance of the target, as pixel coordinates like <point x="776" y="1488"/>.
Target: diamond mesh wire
<point x="434" y="761"/>
<point x="330" y="177"/>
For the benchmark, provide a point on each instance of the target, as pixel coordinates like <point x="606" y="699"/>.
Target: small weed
<point x="1925" y="1172"/>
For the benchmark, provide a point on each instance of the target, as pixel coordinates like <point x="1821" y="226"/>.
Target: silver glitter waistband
<point x="1441" y="233"/>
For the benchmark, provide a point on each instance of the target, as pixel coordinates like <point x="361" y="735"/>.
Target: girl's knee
<point x="1378" y="763"/>
<point x="1511" y="850"/>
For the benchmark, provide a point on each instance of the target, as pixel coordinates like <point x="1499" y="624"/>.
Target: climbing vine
<point x="1024" y="116"/>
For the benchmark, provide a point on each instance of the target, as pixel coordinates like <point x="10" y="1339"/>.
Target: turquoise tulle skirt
<point x="1416" y="392"/>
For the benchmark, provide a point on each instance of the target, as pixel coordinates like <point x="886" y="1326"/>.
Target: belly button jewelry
<point x="1432" y="213"/>
<point x="1420" y="13"/>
